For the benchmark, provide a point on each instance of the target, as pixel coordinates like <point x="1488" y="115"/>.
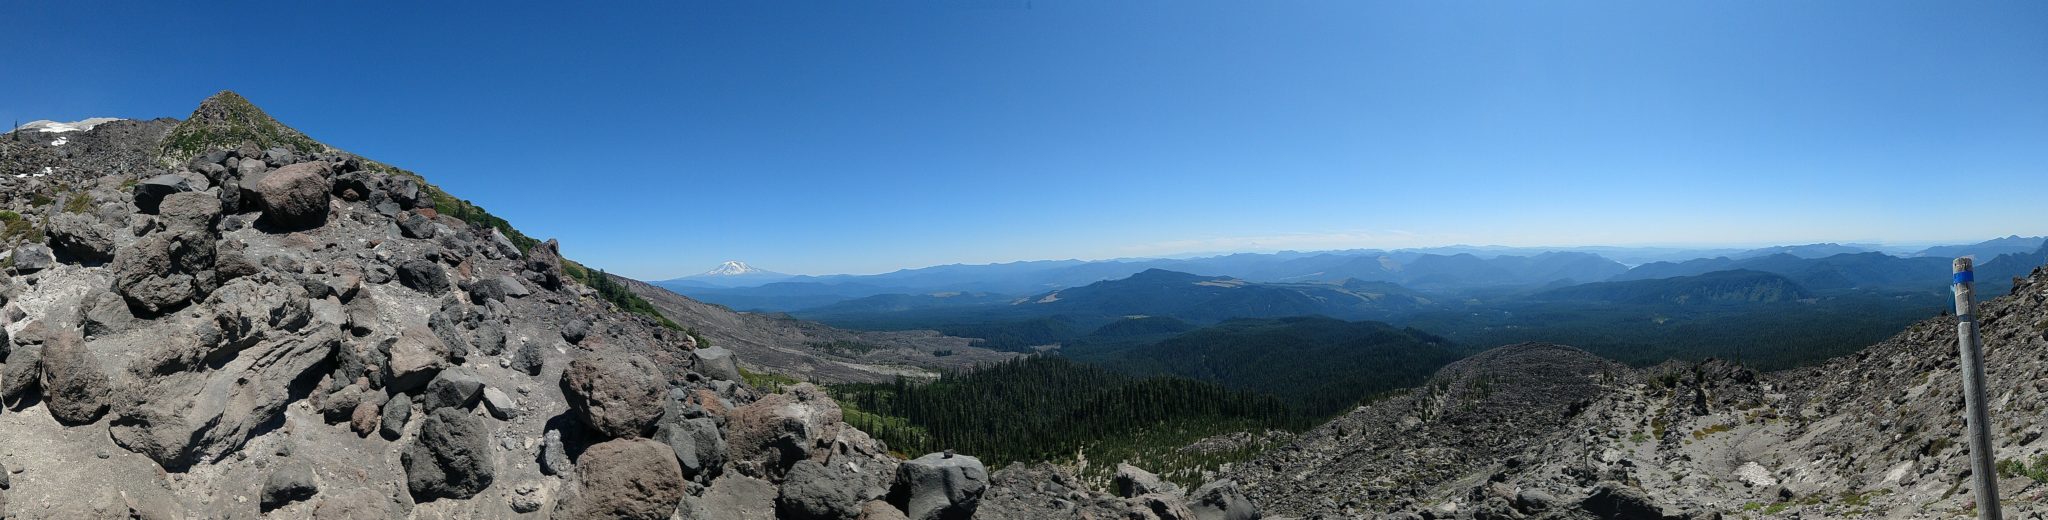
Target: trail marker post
<point x="1979" y="417"/>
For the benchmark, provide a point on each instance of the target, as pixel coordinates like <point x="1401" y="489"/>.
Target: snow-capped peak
<point x="732" y="268"/>
<point x="46" y="125"/>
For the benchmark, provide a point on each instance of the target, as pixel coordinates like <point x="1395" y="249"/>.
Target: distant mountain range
<point x="1738" y="286"/>
<point x="1444" y="272"/>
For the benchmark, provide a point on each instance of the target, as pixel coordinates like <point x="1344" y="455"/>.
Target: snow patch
<point x="45" y="125"/>
<point x="60" y="141"/>
<point x="731" y="268"/>
<point x="1050" y="298"/>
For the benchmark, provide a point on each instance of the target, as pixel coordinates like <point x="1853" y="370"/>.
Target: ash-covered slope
<point x="199" y="327"/>
<point x="1547" y="432"/>
<point x="810" y="350"/>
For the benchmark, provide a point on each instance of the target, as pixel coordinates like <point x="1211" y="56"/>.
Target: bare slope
<point x="784" y="345"/>
<point x="1548" y="433"/>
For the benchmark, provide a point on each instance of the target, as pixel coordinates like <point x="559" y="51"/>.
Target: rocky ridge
<point x="221" y="318"/>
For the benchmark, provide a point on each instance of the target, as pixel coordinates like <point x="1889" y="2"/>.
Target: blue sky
<point x="828" y="137"/>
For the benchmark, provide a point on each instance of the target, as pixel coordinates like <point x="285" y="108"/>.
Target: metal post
<point x="1979" y="418"/>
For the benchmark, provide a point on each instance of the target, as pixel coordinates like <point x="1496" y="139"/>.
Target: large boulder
<point x="1221" y="500"/>
<point x="21" y="378"/>
<point x="195" y="211"/>
<point x="252" y="309"/>
<point x="29" y="258"/>
<point x="780" y="429"/>
<point x="450" y="458"/>
<point x="423" y="275"/>
<point x="414" y="357"/>
<point x="732" y="497"/>
<point x="544" y="261"/>
<point x="1132" y="481"/>
<point x="75" y="389"/>
<point x="716" y="363"/>
<point x="188" y="417"/>
<point x="1616" y="500"/>
<point x="626" y="479"/>
<point x="76" y="237"/>
<point x="150" y="193"/>
<point x="414" y="224"/>
<point x="458" y="388"/>
<point x="697" y="443"/>
<point x="939" y="486"/>
<point x="295" y="196"/>
<point x="818" y="491"/>
<point x="617" y="394"/>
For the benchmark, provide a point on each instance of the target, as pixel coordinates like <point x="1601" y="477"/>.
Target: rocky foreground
<point x="1547" y="431"/>
<point x="221" y="318"/>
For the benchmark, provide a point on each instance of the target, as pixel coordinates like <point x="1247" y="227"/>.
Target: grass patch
<point x="15" y="228"/>
<point x="78" y="203"/>
<point x="767" y="381"/>
<point x="1710" y="430"/>
<point x="2037" y="470"/>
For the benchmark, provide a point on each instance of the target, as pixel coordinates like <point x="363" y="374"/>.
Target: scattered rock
<point x="458" y="388"/>
<point x="75" y="389"/>
<point x="576" y="330"/>
<point x="451" y="457"/>
<point x="780" y="429"/>
<point x="396" y="412"/>
<point x="1221" y="500"/>
<point x="150" y="193"/>
<point x="698" y="445"/>
<point x="716" y="363"/>
<point x="291" y="483"/>
<point x="499" y="404"/>
<point x="424" y="276"/>
<point x="815" y="491"/>
<point x="79" y="238"/>
<point x="29" y="258"/>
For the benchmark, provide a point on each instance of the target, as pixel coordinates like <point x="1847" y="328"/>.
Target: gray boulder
<point x="733" y="497"/>
<point x="21" y="377"/>
<point x="256" y="308"/>
<point x="816" y="491"/>
<point x="414" y="224"/>
<point x="617" y="394"/>
<point x="716" y="363"/>
<point x="504" y="245"/>
<point x="1132" y="481"/>
<point x="1221" y="500"/>
<point x="396" y="412"/>
<point x="291" y="483"/>
<point x="183" y="418"/>
<point x="939" y="486"/>
<point x="423" y="275"/>
<point x="79" y="238"/>
<point x="29" y="258"/>
<point x="295" y="196"/>
<point x="633" y="479"/>
<point x="458" y="388"/>
<point x="498" y="288"/>
<point x="499" y="404"/>
<point x="74" y="388"/>
<point x="699" y="446"/>
<point x="151" y="192"/>
<point x="576" y="330"/>
<point x="451" y="458"/>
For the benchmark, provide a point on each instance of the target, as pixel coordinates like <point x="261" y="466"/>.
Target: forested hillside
<point x="1048" y="408"/>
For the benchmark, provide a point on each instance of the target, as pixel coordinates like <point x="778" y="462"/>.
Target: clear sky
<point x="828" y="137"/>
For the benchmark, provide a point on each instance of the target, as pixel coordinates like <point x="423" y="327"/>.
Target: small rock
<point x="499" y="404"/>
<point x="291" y="483"/>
